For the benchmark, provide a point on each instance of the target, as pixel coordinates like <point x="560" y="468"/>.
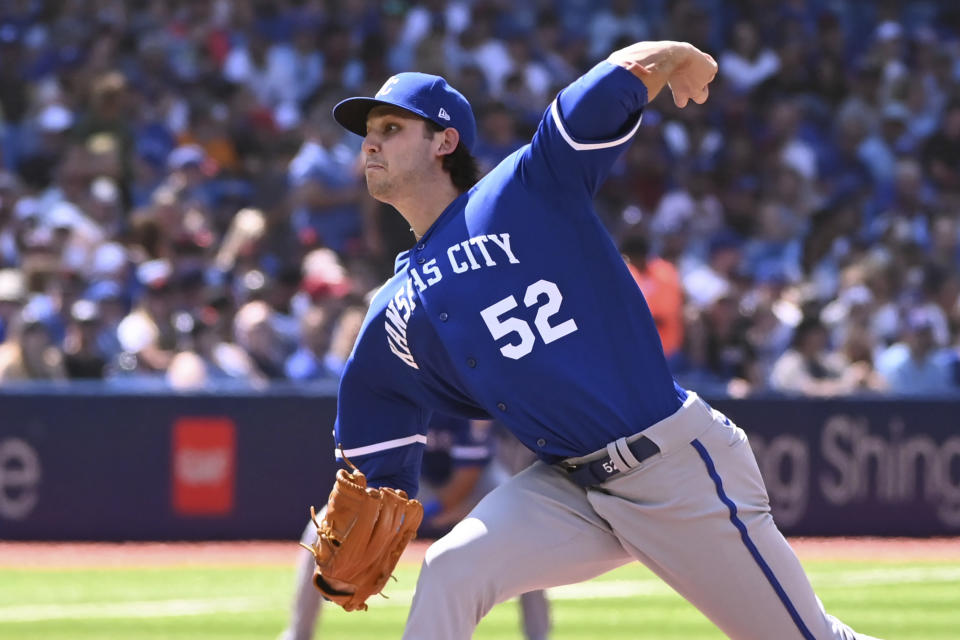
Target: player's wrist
<point x="654" y="63"/>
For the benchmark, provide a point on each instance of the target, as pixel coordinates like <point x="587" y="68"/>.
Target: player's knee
<point x="454" y="576"/>
<point x="444" y="562"/>
<point x="452" y="557"/>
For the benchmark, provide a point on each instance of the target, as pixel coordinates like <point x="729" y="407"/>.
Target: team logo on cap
<point x="387" y="86"/>
<point x="443" y="114"/>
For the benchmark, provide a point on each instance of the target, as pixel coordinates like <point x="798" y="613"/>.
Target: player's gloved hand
<point x="360" y="539"/>
<point x="691" y="78"/>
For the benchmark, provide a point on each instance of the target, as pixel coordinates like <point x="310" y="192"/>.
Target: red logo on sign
<point x="204" y="466"/>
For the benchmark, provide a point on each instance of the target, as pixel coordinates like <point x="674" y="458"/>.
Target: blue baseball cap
<point x="425" y="95"/>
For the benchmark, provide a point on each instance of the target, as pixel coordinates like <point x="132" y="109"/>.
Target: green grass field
<point x="891" y="600"/>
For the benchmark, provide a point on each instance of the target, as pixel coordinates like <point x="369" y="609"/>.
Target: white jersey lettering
<point x="396" y="336"/>
<point x="403" y="354"/>
<point x="474" y="265"/>
<point x="397" y="313"/>
<point x="503" y="241"/>
<point x="394" y="317"/>
<point x="417" y="280"/>
<point x="433" y="271"/>
<point x="458" y="267"/>
<point x="403" y="305"/>
<point x="479" y="242"/>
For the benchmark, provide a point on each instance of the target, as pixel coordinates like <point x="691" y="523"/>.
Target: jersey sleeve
<point x="383" y="434"/>
<point x="584" y="130"/>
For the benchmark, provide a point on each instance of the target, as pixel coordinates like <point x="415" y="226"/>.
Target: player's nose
<point x="371" y="143"/>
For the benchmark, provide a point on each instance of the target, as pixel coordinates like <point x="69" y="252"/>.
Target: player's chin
<point x="378" y="188"/>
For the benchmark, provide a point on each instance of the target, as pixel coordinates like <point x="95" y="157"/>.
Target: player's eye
<point x="383" y="127"/>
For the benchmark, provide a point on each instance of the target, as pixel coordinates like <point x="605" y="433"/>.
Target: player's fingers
<point x="710" y="68"/>
<point x="680" y="99"/>
<point x="701" y="97"/>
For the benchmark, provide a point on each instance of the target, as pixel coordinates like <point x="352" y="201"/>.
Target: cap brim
<point x="352" y="113"/>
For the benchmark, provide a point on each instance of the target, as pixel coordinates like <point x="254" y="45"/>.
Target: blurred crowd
<point x="177" y="205"/>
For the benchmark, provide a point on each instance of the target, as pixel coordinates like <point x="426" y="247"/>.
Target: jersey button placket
<point x="471" y="362"/>
<point x="421" y="260"/>
<point x="443" y="316"/>
<point x="502" y="406"/>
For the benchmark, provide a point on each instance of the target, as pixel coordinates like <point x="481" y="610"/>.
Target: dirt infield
<point x="162" y="554"/>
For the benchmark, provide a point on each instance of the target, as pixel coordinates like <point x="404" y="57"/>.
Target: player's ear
<point x="448" y="141"/>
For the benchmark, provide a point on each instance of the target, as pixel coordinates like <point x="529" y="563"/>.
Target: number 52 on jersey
<point x="501" y="325"/>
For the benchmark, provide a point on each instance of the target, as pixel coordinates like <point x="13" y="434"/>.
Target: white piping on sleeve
<point x="382" y="446"/>
<point x="589" y="146"/>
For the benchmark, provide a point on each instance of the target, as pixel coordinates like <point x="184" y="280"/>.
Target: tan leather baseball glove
<point x="360" y="539"/>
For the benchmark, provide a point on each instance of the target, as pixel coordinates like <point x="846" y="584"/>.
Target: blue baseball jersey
<point x="453" y="443"/>
<point x="516" y="305"/>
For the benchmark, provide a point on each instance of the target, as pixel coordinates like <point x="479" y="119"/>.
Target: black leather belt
<point x="598" y="471"/>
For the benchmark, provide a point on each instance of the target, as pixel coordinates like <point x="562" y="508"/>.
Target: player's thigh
<point x="700" y="519"/>
<point x="494" y="475"/>
<point x="536" y="530"/>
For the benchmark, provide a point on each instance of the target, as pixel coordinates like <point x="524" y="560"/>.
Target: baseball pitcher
<point x="515" y="304"/>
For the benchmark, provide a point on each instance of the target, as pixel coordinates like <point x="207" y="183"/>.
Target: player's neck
<point x="422" y="204"/>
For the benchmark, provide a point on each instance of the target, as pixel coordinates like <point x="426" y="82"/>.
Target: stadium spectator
<point x="694" y="207"/>
<point x="907" y="216"/>
<point x="105" y="129"/>
<point x="147" y="332"/>
<point x="498" y="126"/>
<point x="719" y="354"/>
<point x="345" y="333"/>
<point x="325" y="191"/>
<point x="942" y="152"/>
<point x="618" y="22"/>
<point x="254" y="332"/>
<point x="82" y="356"/>
<point x="773" y="251"/>
<point x="916" y="366"/>
<point x="204" y="360"/>
<point x="715" y="278"/>
<point x="811" y="368"/>
<point x="12" y="296"/>
<point x="28" y="352"/>
<point x="747" y="64"/>
<point x="881" y="149"/>
<point x="309" y="361"/>
<point x="660" y="283"/>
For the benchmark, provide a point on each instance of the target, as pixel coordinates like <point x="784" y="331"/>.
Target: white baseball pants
<point x="696" y="514"/>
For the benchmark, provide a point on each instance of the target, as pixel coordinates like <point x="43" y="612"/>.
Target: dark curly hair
<point x="461" y="166"/>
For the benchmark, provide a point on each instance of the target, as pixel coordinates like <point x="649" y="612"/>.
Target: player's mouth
<point x="373" y="165"/>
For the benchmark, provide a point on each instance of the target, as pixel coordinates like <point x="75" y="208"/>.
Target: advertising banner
<point x="849" y="467"/>
<point x="249" y="465"/>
